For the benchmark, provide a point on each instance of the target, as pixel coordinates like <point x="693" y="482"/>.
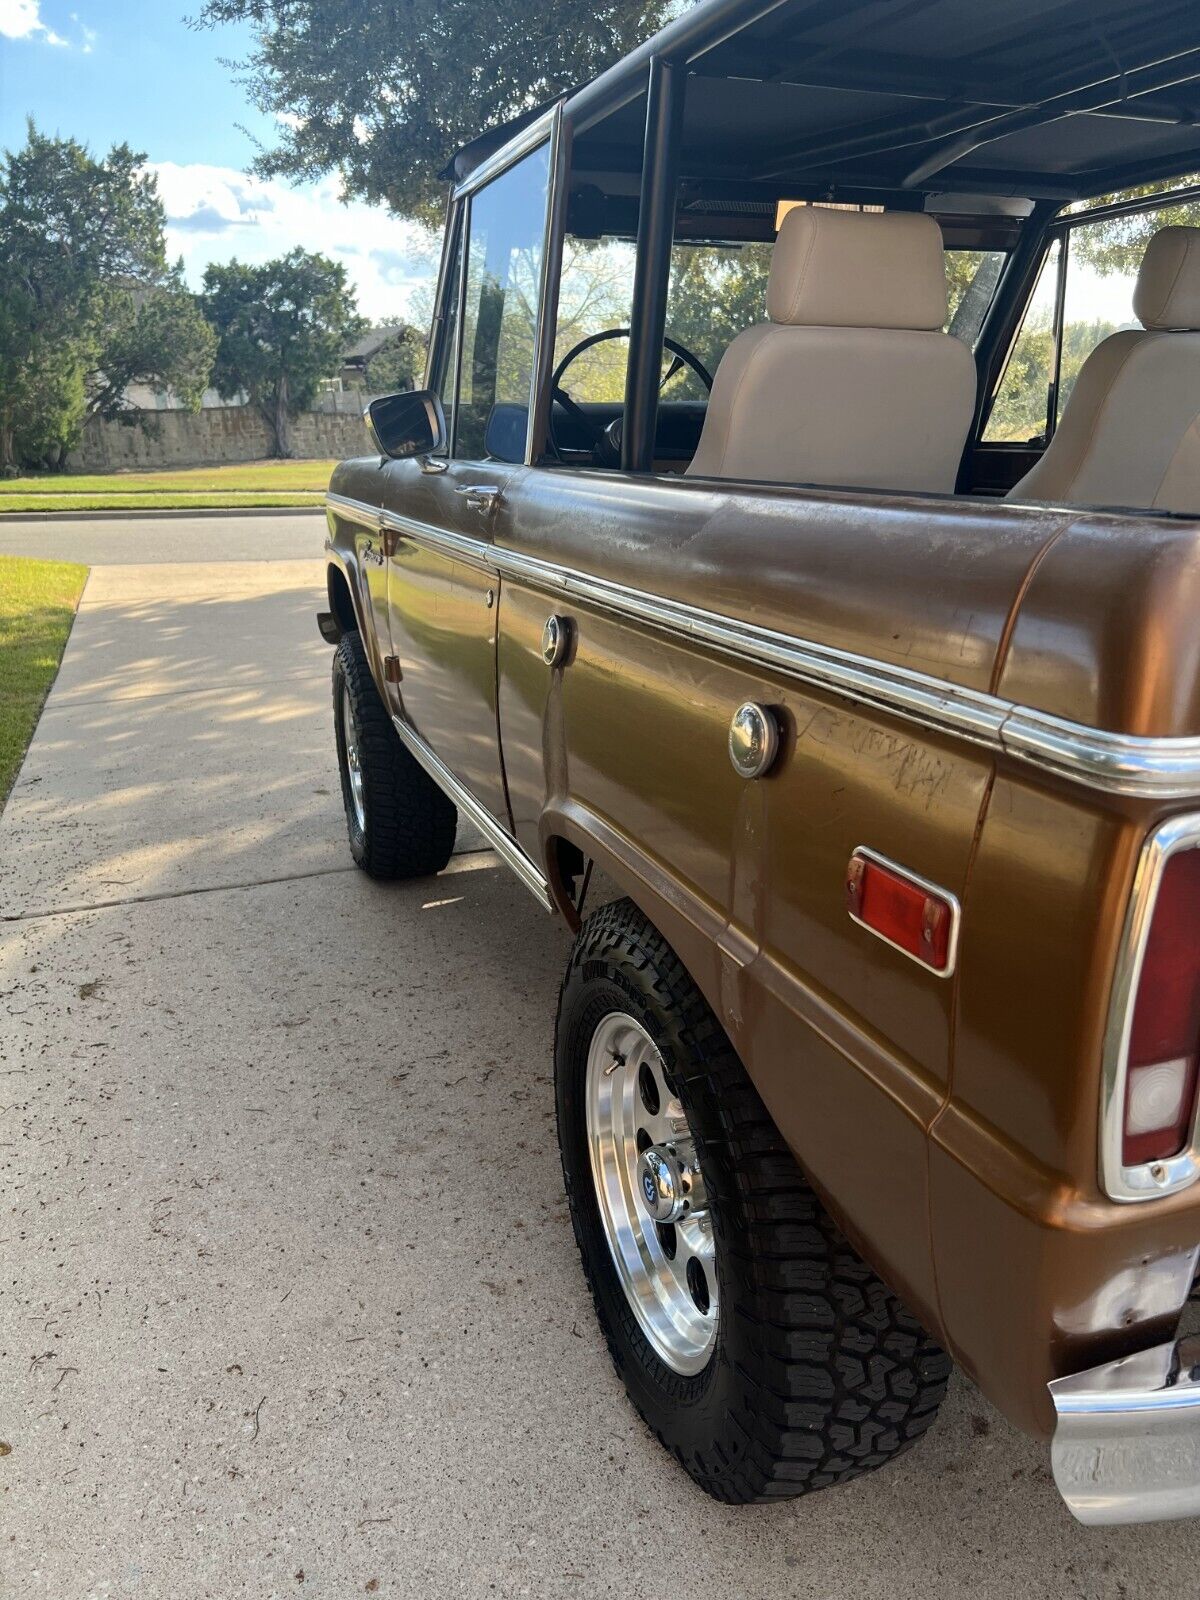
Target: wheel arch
<point x="570" y="831"/>
<point x="342" y="601"/>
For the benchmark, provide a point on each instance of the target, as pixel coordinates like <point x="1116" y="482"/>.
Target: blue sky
<point x="104" y="71"/>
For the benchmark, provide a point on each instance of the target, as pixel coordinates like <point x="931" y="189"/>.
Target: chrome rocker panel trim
<point x="1126" y="1445"/>
<point x="1158" y="768"/>
<point x="501" y="841"/>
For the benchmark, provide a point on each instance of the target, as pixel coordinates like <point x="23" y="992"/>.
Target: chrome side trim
<point x="459" y="546"/>
<point x="1151" y="1179"/>
<point x="519" y="145"/>
<point x="1156" y="768"/>
<point x="1117" y="763"/>
<point x="355" y="511"/>
<point x="1126" y="1443"/>
<point x="501" y="841"/>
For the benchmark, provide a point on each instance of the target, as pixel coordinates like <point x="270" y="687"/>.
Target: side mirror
<point x="407" y="425"/>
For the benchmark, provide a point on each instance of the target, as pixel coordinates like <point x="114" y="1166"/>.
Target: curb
<point x="136" y="514"/>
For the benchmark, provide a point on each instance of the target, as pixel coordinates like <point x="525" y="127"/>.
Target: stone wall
<point x="219" y="434"/>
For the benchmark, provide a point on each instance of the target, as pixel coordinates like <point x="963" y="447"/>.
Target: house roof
<point x="371" y="343"/>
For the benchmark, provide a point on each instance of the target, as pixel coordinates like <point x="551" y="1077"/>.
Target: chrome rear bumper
<point x="1127" y="1440"/>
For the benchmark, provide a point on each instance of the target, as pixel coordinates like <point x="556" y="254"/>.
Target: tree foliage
<point x="158" y="338"/>
<point x="281" y="327"/>
<point x="88" y="301"/>
<point x="384" y="91"/>
<point x="1117" y="244"/>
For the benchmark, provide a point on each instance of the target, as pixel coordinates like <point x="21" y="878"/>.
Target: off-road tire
<point x="409" y="824"/>
<point x="818" y="1373"/>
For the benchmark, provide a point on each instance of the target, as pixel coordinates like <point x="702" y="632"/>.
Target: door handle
<point x="480" y="496"/>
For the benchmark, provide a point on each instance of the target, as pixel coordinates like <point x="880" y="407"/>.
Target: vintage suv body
<point x="898" y="770"/>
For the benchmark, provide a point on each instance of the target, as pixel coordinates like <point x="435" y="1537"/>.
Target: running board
<point x="500" y="840"/>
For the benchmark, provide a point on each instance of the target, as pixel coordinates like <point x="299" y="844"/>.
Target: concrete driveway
<point x="289" y="1301"/>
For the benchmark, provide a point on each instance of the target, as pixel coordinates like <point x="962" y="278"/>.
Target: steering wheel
<point x="606" y="442"/>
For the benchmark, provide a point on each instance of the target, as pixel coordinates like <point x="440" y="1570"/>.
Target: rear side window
<point x="506" y="228"/>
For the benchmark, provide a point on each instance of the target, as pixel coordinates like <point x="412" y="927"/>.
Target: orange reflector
<point x="915" y="916"/>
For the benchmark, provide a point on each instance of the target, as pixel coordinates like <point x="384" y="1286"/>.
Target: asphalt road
<point x="117" y="538"/>
<point x="290" y="1303"/>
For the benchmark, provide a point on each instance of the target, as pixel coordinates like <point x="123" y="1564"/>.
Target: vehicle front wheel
<point x="765" y="1355"/>
<point x="400" y="823"/>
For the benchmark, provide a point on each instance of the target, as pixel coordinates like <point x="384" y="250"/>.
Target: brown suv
<point x="801" y="524"/>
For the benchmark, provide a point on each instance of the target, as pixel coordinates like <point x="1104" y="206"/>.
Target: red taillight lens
<point x="1164" y="1042"/>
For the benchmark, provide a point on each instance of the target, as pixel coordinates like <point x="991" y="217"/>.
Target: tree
<point x="281" y="328"/>
<point x="157" y="337"/>
<point x="84" y="285"/>
<point x="384" y="91"/>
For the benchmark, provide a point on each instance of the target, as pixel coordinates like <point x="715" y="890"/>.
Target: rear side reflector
<point x="911" y="914"/>
<point x="1164" y="1036"/>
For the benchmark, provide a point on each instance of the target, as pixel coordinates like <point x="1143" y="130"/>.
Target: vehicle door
<point x="443" y="588"/>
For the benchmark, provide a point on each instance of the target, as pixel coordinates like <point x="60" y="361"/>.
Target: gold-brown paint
<point x="951" y="1125"/>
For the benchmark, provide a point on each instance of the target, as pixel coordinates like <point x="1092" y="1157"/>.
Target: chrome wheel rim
<point x="668" y="1272"/>
<point x="353" y="761"/>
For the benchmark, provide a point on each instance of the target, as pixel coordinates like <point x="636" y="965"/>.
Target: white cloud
<point x="214" y="213"/>
<point x="21" y="19"/>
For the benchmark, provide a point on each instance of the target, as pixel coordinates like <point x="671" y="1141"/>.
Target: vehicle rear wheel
<point x="400" y="823"/>
<point x="765" y="1355"/>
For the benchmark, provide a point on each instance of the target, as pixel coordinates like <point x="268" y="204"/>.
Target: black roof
<point x="1052" y="98"/>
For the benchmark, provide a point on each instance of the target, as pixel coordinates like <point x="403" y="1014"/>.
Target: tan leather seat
<point x="1130" y="434"/>
<point x="852" y="381"/>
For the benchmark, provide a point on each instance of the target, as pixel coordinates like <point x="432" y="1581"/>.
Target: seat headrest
<point x="1168" y="285"/>
<point x="850" y="269"/>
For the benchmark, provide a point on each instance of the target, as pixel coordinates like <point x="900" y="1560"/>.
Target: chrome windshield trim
<point x="501" y="841"/>
<point x="519" y="145"/>
<point x="1117" y="763"/>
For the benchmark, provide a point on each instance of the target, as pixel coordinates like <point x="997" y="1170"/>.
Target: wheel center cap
<point x="670" y="1182"/>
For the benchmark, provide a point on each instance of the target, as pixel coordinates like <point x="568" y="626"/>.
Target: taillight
<point x="1164" y="1039"/>
<point x="1151" y="1116"/>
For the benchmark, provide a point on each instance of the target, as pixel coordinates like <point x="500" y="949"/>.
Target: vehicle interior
<point x="912" y="247"/>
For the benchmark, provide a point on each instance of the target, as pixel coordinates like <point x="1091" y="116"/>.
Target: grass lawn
<point x="37" y="607"/>
<point x="244" y="483"/>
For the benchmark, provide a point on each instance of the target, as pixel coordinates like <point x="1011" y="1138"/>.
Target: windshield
<point x="717" y="290"/>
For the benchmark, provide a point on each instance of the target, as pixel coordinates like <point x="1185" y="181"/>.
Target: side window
<point x="506" y="226"/>
<point x="1022" y="401"/>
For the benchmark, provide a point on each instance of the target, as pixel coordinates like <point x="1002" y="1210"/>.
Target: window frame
<point x="546" y="129"/>
<point x="448" y="392"/>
